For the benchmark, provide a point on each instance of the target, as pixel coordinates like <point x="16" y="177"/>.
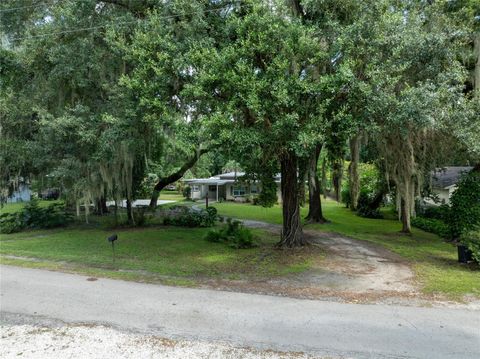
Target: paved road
<point x="323" y="328"/>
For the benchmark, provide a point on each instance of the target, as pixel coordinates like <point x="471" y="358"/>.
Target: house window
<point x="212" y="188"/>
<point x="253" y="189"/>
<point x="238" y="191"/>
<point x="195" y="188"/>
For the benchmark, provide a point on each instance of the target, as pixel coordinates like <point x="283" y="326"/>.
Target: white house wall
<point x="225" y="191"/>
<point x="443" y="196"/>
<point x="23" y="194"/>
<point x="198" y="194"/>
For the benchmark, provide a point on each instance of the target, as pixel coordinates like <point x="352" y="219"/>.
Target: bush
<point x="141" y="216"/>
<point x="234" y="234"/>
<point x="34" y="216"/>
<point x="187" y="191"/>
<point x="367" y="206"/>
<point x="189" y="217"/>
<point x="268" y="195"/>
<point x="11" y="223"/>
<point x="441" y="212"/>
<point x="346" y="196"/>
<point x="432" y="225"/>
<point x="471" y="239"/>
<point x="465" y="205"/>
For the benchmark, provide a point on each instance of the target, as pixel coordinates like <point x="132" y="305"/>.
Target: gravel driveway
<point x="100" y="342"/>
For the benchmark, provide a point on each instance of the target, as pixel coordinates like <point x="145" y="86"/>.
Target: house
<point x="21" y="193"/>
<point x="444" y="182"/>
<point x="227" y="186"/>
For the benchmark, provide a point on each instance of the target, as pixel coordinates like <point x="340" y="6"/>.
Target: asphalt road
<point x="286" y="324"/>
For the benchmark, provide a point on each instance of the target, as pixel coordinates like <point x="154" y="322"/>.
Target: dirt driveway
<point x="352" y="270"/>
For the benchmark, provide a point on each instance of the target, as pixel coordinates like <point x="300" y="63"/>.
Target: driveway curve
<point x="351" y="267"/>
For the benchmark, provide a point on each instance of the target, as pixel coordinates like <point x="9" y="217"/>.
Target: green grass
<point x="180" y="255"/>
<point x="433" y="260"/>
<point x="171" y="196"/>
<point x="15" y="207"/>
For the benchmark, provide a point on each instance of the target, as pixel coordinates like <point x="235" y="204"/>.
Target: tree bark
<point x="324" y="178"/>
<point x="130" y="218"/>
<point x="101" y="206"/>
<point x="292" y="234"/>
<point x="354" y="180"/>
<point x="315" y="213"/>
<point x="337" y="179"/>
<point x="302" y="178"/>
<point x="405" y="216"/>
<point x="165" y="181"/>
<point x="476" y="50"/>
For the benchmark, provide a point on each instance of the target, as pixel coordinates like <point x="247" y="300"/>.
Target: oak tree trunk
<point x="292" y="234"/>
<point x="476" y="50"/>
<point x="130" y="212"/>
<point x="324" y="178"/>
<point x="302" y="178"/>
<point x="405" y="217"/>
<point x="302" y="190"/>
<point x="337" y="180"/>
<point x="354" y="180"/>
<point x="314" y="190"/>
<point x="101" y="206"/>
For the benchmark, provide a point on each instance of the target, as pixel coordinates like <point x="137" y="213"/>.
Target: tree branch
<point x="166" y="180"/>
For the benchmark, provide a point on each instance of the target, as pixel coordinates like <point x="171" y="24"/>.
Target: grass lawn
<point x="167" y="254"/>
<point x="434" y="261"/>
<point x="181" y="256"/>
<point x="171" y="196"/>
<point x="15" y="207"/>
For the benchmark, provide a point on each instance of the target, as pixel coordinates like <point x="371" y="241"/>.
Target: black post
<point x="206" y="200"/>
<point x="112" y="240"/>
<point x="113" y="252"/>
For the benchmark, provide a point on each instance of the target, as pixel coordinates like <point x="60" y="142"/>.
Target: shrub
<point x="471" y="239"/>
<point x="234" y="234"/>
<point x="34" y="216"/>
<point x="214" y="236"/>
<point x="367" y="206"/>
<point x="189" y="217"/>
<point x="211" y="217"/>
<point x="441" y="212"/>
<point x="11" y="222"/>
<point x="187" y="191"/>
<point x="268" y="195"/>
<point x="141" y="216"/>
<point x="346" y="196"/>
<point x="432" y="225"/>
<point x="465" y="205"/>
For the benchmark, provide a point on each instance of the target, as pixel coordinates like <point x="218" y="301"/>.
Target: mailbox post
<point x="112" y="240"/>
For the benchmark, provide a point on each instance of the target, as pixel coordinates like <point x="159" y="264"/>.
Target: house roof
<point x="221" y="179"/>
<point x="230" y="175"/>
<point x="448" y="176"/>
<point x="209" y="181"/>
